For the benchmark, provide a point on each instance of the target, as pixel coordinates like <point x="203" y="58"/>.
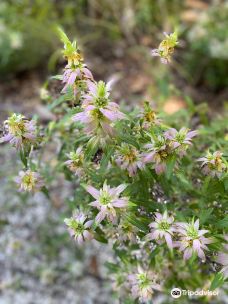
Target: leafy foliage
<point x="136" y="183"/>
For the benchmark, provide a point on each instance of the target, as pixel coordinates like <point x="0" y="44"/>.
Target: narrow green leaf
<point x="217" y="281"/>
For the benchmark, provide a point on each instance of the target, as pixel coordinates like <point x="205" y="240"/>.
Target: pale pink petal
<point x="201" y="232"/>
<point x="170" y="134"/>
<point x="120" y="189"/>
<point x="109" y="114"/>
<point x="92" y="87"/>
<point x="160" y="168"/>
<point x="192" y="134"/>
<point x="196" y="224"/>
<point x="149" y="157"/>
<point x="201" y="254"/>
<point x="222" y="258"/>
<point x="158" y="215"/>
<point x="87" y="72"/>
<point x="168" y="240"/>
<point x="100" y="216"/>
<point x="187" y="253"/>
<point x="87" y="235"/>
<point x="120" y="203"/>
<point x="94" y="192"/>
<point x="196" y="245"/>
<point x="80" y="239"/>
<point x="95" y="204"/>
<point x="88" y="224"/>
<point x="154" y="234"/>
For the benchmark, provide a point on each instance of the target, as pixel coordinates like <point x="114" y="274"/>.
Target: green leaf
<point x="59" y="100"/>
<point x="225" y="182"/>
<point x="170" y="165"/>
<point x="122" y="255"/>
<point x="23" y="158"/>
<point x="205" y="215"/>
<point x="63" y="36"/>
<point x="91" y="148"/>
<point x="112" y="267"/>
<point x="128" y="139"/>
<point x="57" y="77"/>
<point x="217" y="281"/>
<point x="138" y="223"/>
<point x="223" y="223"/>
<point x="105" y="159"/>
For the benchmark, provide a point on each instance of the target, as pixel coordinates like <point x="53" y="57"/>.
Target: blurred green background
<point x="119" y="35"/>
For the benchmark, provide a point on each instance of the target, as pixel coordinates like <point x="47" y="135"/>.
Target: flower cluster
<point x="127" y="157"/>
<point x="29" y="181"/>
<point x="180" y="140"/>
<point x="148" y="217"/>
<point x="20" y="132"/>
<point x="166" y="47"/>
<point x="191" y="239"/>
<point x="143" y="284"/>
<point x="157" y="153"/>
<point x="99" y="112"/>
<point x="213" y="164"/>
<point x="107" y="200"/>
<point x="79" y="227"/>
<point x="162" y="228"/>
<point x="75" y="162"/>
<point x="148" y="117"/>
<point x="163" y="146"/>
<point x="76" y="74"/>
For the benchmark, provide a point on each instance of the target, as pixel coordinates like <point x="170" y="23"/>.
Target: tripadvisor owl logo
<point x="176" y="293"/>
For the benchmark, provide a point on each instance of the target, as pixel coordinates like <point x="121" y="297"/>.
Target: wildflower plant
<point x="166" y="47"/>
<point x="136" y="181"/>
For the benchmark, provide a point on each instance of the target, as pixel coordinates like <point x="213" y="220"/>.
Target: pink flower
<point x="99" y="113"/>
<point x="166" y="47"/>
<point x="180" y="140"/>
<point x="158" y="152"/>
<point x="143" y="283"/>
<point x="126" y="231"/>
<point x="73" y="76"/>
<point x="212" y="164"/>
<point x="20" y="131"/>
<point x="79" y="227"/>
<point x="127" y="157"/>
<point x="75" y="162"/>
<point x="107" y="200"/>
<point x="149" y="117"/>
<point x="29" y="181"/>
<point x="192" y="239"/>
<point x="162" y="228"/>
<point x="222" y="259"/>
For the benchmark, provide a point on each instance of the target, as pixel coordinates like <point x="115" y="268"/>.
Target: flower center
<point x="130" y="155"/>
<point x="17" y="128"/>
<point x="180" y="137"/>
<point x="77" y="159"/>
<point x="96" y="113"/>
<point x="164" y="225"/>
<point x="101" y="102"/>
<point x="28" y="180"/>
<point x="105" y="198"/>
<point x="150" y="116"/>
<point x="162" y="155"/>
<point x="193" y="233"/>
<point x="77" y="227"/>
<point x="143" y="280"/>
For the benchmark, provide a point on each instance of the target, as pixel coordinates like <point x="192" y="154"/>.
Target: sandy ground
<point x="39" y="262"/>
